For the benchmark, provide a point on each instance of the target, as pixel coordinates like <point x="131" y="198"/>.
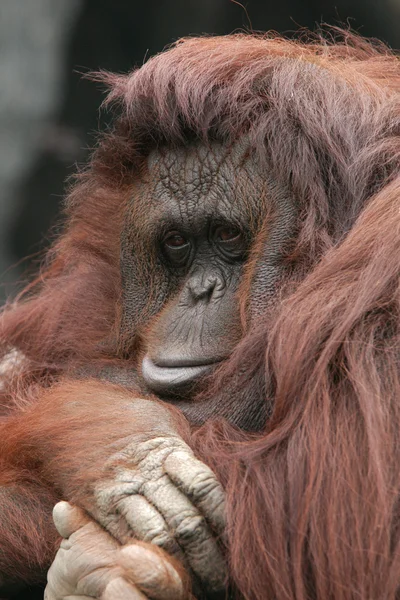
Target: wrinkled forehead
<point x="198" y="183"/>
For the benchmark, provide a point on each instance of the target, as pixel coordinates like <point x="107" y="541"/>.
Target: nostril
<point x="211" y="284"/>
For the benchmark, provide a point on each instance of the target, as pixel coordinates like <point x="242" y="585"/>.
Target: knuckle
<point x="205" y="483"/>
<point x="108" y="496"/>
<point x="158" y="537"/>
<point x="162" y="445"/>
<point x="190" y="528"/>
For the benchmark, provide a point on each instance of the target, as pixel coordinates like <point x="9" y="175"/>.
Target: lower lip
<point x="164" y="379"/>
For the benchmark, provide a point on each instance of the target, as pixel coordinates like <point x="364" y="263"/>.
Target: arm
<point x="123" y="460"/>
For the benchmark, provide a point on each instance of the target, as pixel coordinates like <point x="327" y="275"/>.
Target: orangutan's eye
<point x="176" y="247"/>
<point x="230" y="241"/>
<point x="227" y="234"/>
<point x="175" y="240"/>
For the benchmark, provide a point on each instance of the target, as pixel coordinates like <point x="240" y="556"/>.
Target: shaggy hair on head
<point x="313" y="501"/>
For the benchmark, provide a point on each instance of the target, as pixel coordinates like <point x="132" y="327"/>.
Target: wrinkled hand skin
<point x="159" y="493"/>
<point x="92" y="564"/>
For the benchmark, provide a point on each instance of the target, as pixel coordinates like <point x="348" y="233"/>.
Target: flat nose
<point x="202" y="288"/>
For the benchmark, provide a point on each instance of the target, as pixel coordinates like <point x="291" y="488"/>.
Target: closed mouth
<point x="173" y="374"/>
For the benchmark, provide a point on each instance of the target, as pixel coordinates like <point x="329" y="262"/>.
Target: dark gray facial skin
<point x="199" y="211"/>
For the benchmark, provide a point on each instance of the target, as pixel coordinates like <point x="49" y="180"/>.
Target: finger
<point x="68" y="519"/>
<point x="92" y="559"/>
<point x="85" y="562"/>
<point x="152" y="573"/>
<point x="50" y="595"/>
<point x="108" y="496"/>
<point x="190" y="530"/>
<point x="198" y="482"/>
<point x="120" y="588"/>
<point x="147" y="524"/>
<point x="79" y="597"/>
<point x="69" y="597"/>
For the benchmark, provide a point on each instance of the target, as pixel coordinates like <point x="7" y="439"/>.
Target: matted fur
<point x="314" y="500"/>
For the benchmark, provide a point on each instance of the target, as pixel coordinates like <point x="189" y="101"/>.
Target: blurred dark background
<point x="49" y="114"/>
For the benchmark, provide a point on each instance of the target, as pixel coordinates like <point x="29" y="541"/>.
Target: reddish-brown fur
<point x="313" y="501"/>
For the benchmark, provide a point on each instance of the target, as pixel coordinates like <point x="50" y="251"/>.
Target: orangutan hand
<point x="158" y="492"/>
<point x="91" y="564"/>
